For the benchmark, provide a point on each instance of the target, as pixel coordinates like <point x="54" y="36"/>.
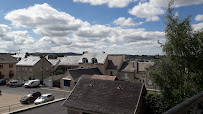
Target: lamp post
<point x="42" y="57"/>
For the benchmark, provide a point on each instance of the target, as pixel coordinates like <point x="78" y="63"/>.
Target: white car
<point x="44" y="98"/>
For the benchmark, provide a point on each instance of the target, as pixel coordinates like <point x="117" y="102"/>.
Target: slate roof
<point x="76" y="73"/>
<point x="100" y="56"/>
<point x="144" y="65"/>
<point x="105" y="96"/>
<point x="54" y="62"/>
<point x="128" y="66"/>
<point x="101" y="77"/>
<point x="114" y="62"/>
<point x="7" y="58"/>
<point x="70" y="60"/>
<point x="19" y="55"/>
<point x="29" y="61"/>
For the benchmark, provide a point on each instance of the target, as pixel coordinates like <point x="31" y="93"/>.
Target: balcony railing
<point x="193" y="104"/>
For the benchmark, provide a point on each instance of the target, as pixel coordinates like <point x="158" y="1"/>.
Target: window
<point x="1" y="66"/>
<point x="111" y="74"/>
<point x="47" y="69"/>
<point x="94" y="61"/>
<point x="11" y="74"/>
<point x="67" y="83"/>
<point x="30" y="69"/>
<point x="85" y="113"/>
<point x="85" y="60"/>
<point x="10" y="65"/>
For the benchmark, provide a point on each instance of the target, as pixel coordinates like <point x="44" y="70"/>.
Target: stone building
<point x="114" y="64"/>
<point x="33" y="67"/>
<point x="7" y="66"/>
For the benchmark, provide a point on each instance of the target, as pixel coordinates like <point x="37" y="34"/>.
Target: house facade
<point x="71" y="77"/>
<point x="94" y="60"/>
<point x="7" y="66"/>
<point x="141" y="71"/>
<point x="33" y="67"/>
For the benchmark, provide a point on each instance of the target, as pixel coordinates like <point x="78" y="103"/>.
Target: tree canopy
<point x="179" y="74"/>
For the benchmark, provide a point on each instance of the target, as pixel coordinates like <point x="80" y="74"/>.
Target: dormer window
<point x="94" y="61"/>
<point x="84" y="60"/>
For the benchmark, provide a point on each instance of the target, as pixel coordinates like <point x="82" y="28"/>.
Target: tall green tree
<point x="179" y="74"/>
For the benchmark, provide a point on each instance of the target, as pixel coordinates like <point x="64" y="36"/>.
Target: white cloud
<point x="199" y="17"/>
<point x="147" y="10"/>
<point x="122" y="21"/>
<point x="153" y="8"/>
<point x="45" y="20"/>
<point x="111" y="3"/>
<point x="15" y="40"/>
<point x="198" y="27"/>
<point x="62" y="32"/>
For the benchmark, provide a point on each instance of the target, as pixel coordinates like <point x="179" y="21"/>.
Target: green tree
<point x="179" y="74"/>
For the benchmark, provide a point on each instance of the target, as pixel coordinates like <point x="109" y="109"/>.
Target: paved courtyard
<point x="11" y="96"/>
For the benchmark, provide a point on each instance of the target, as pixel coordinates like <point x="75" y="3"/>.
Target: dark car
<point x="0" y="92"/>
<point x="29" y="98"/>
<point x="3" y="81"/>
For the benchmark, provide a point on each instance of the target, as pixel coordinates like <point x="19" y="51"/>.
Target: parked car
<point x="3" y="81"/>
<point x="44" y="98"/>
<point x="29" y="98"/>
<point x="32" y="83"/>
<point x="8" y="83"/>
<point x="0" y="92"/>
<point x="15" y="83"/>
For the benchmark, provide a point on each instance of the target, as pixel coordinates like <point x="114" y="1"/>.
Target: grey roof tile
<point x="76" y="73"/>
<point x="7" y="58"/>
<point x="29" y="61"/>
<point x="54" y="62"/>
<point x="70" y="60"/>
<point x="114" y="62"/>
<point x="105" y="96"/>
<point x="100" y="56"/>
<point x="128" y="66"/>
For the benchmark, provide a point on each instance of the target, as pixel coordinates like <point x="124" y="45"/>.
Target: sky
<point x="113" y="26"/>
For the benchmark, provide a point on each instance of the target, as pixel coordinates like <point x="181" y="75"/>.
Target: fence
<point x="9" y="108"/>
<point x="193" y="105"/>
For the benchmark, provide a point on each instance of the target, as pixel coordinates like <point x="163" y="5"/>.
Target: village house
<point x="128" y="70"/>
<point x="141" y="71"/>
<point x="95" y="96"/>
<point x="33" y="67"/>
<point x="71" y="77"/>
<point x="114" y="64"/>
<point x="94" y="60"/>
<point x="68" y="62"/>
<point x="7" y="66"/>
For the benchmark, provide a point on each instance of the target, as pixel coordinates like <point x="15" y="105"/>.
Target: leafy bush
<point x="58" y="72"/>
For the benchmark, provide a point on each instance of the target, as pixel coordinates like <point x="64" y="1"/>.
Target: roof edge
<point x="139" y="99"/>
